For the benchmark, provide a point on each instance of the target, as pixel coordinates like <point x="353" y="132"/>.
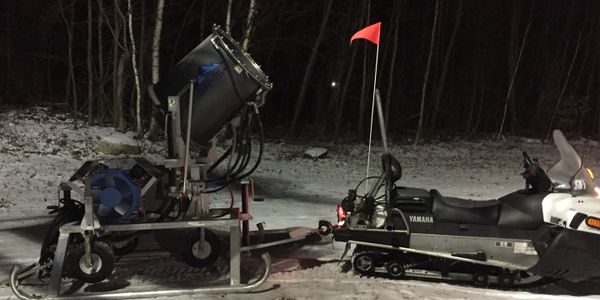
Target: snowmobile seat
<point x="464" y="211"/>
<point x="411" y="199"/>
<point x="522" y="210"/>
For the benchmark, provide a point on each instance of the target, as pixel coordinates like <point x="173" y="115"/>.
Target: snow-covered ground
<point x="39" y="148"/>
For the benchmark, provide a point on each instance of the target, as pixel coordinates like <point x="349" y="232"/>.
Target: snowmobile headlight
<point x="590" y="172"/>
<point x="593" y="222"/>
<point x="341" y="214"/>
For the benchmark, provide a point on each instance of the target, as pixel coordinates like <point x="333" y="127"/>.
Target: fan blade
<point x="122" y="208"/>
<point x="124" y="190"/>
<point x="103" y="210"/>
<point x="109" y="181"/>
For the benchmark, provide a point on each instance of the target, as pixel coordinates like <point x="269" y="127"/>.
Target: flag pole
<point x="371" y="127"/>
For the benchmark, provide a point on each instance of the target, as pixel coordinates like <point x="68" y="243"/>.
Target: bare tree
<point x="160" y="7"/>
<point x="344" y="91"/>
<point x="138" y="96"/>
<point x="309" y="67"/>
<point x="564" y="86"/>
<point x="365" y="79"/>
<point x="512" y="80"/>
<point x="391" y="82"/>
<point x="181" y="29"/>
<point x="118" y="71"/>
<point x="90" y="70"/>
<point x="156" y="40"/>
<point x="100" y="74"/>
<point x="70" y="56"/>
<point x="442" y="80"/>
<point x="248" y="31"/>
<point x="228" y="16"/>
<point x="425" y="80"/>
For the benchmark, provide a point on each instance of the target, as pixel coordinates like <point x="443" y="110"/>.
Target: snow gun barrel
<point x="226" y="78"/>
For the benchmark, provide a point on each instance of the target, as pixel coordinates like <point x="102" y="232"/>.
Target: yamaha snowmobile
<point x="548" y="231"/>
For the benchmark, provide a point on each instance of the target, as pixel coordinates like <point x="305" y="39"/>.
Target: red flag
<point x="370" y="33"/>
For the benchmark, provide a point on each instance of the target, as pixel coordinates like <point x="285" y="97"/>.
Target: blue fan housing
<point x="116" y="196"/>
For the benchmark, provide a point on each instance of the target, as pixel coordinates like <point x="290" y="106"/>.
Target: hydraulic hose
<point x="247" y="156"/>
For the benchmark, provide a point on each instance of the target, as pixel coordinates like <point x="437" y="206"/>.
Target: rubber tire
<point x="107" y="257"/>
<point x="188" y="251"/>
<point x="127" y="248"/>
<point x="359" y="268"/>
<point x="480" y="279"/>
<point x="395" y="269"/>
<point x="325" y="228"/>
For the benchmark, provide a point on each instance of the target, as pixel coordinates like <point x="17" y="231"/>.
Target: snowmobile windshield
<point x="569" y="173"/>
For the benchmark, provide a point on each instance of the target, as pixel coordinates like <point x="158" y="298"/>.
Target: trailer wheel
<point x="480" y="279"/>
<point x="395" y="269"/>
<point x="364" y="264"/>
<point x="197" y="255"/>
<point x="102" y="262"/>
<point x="125" y="247"/>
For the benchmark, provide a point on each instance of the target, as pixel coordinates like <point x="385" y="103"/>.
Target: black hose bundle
<point x="242" y="148"/>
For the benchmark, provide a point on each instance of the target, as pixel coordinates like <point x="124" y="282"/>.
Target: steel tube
<point x="245" y="210"/>
<point x="266" y="258"/>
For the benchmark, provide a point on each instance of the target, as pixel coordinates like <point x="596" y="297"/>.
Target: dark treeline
<point x="455" y="67"/>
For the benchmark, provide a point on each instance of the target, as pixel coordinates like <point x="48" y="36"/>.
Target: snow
<point x="39" y="148"/>
<point x="120" y="138"/>
<point x="316" y="152"/>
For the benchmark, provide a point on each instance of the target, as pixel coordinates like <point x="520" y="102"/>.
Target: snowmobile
<point x="549" y="230"/>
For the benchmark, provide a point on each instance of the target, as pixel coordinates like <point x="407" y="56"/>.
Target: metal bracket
<point x="89" y="221"/>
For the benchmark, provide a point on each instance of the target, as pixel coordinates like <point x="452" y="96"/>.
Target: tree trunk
<point x="309" y="67"/>
<point x="70" y="56"/>
<point x="362" y="104"/>
<point x="156" y="41"/>
<point x="120" y="83"/>
<point x="228" y="16"/>
<point x="117" y="71"/>
<point x="100" y="76"/>
<point x="90" y="70"/>
<point x="391" y="84"/>
<point x="160" y="7"/>
<point x="471" y="106"/>
<point x="512" y="58"/>
<point x="440" y="85"/>
<point x="8" y="48"/>
<point x="203" y="17"/>
<point x="344" y="92"/>
<point x="141" y="61"/>
<point x="480" y="109"/>
<point x="425" y="80"/>
<point x="564" y="86"/>
<point x="512" y="80"/>
<point x="248" y="31"/>
<point x="138" y="98"/>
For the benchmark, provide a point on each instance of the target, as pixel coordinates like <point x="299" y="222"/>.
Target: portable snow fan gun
<point x="216" y="88"/>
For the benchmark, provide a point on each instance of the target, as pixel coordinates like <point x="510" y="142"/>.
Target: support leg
<point x="59" y="260"/>
<point x="235" y="259"/>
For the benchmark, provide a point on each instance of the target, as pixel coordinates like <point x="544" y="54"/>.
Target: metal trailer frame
<point x="233" y="223"/>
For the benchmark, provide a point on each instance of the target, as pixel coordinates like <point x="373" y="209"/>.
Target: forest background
<point x="457" y="68"/>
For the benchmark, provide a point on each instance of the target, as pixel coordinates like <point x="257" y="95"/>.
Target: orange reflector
<point x="590" y="172"/>
<point x="593" y="222"/>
